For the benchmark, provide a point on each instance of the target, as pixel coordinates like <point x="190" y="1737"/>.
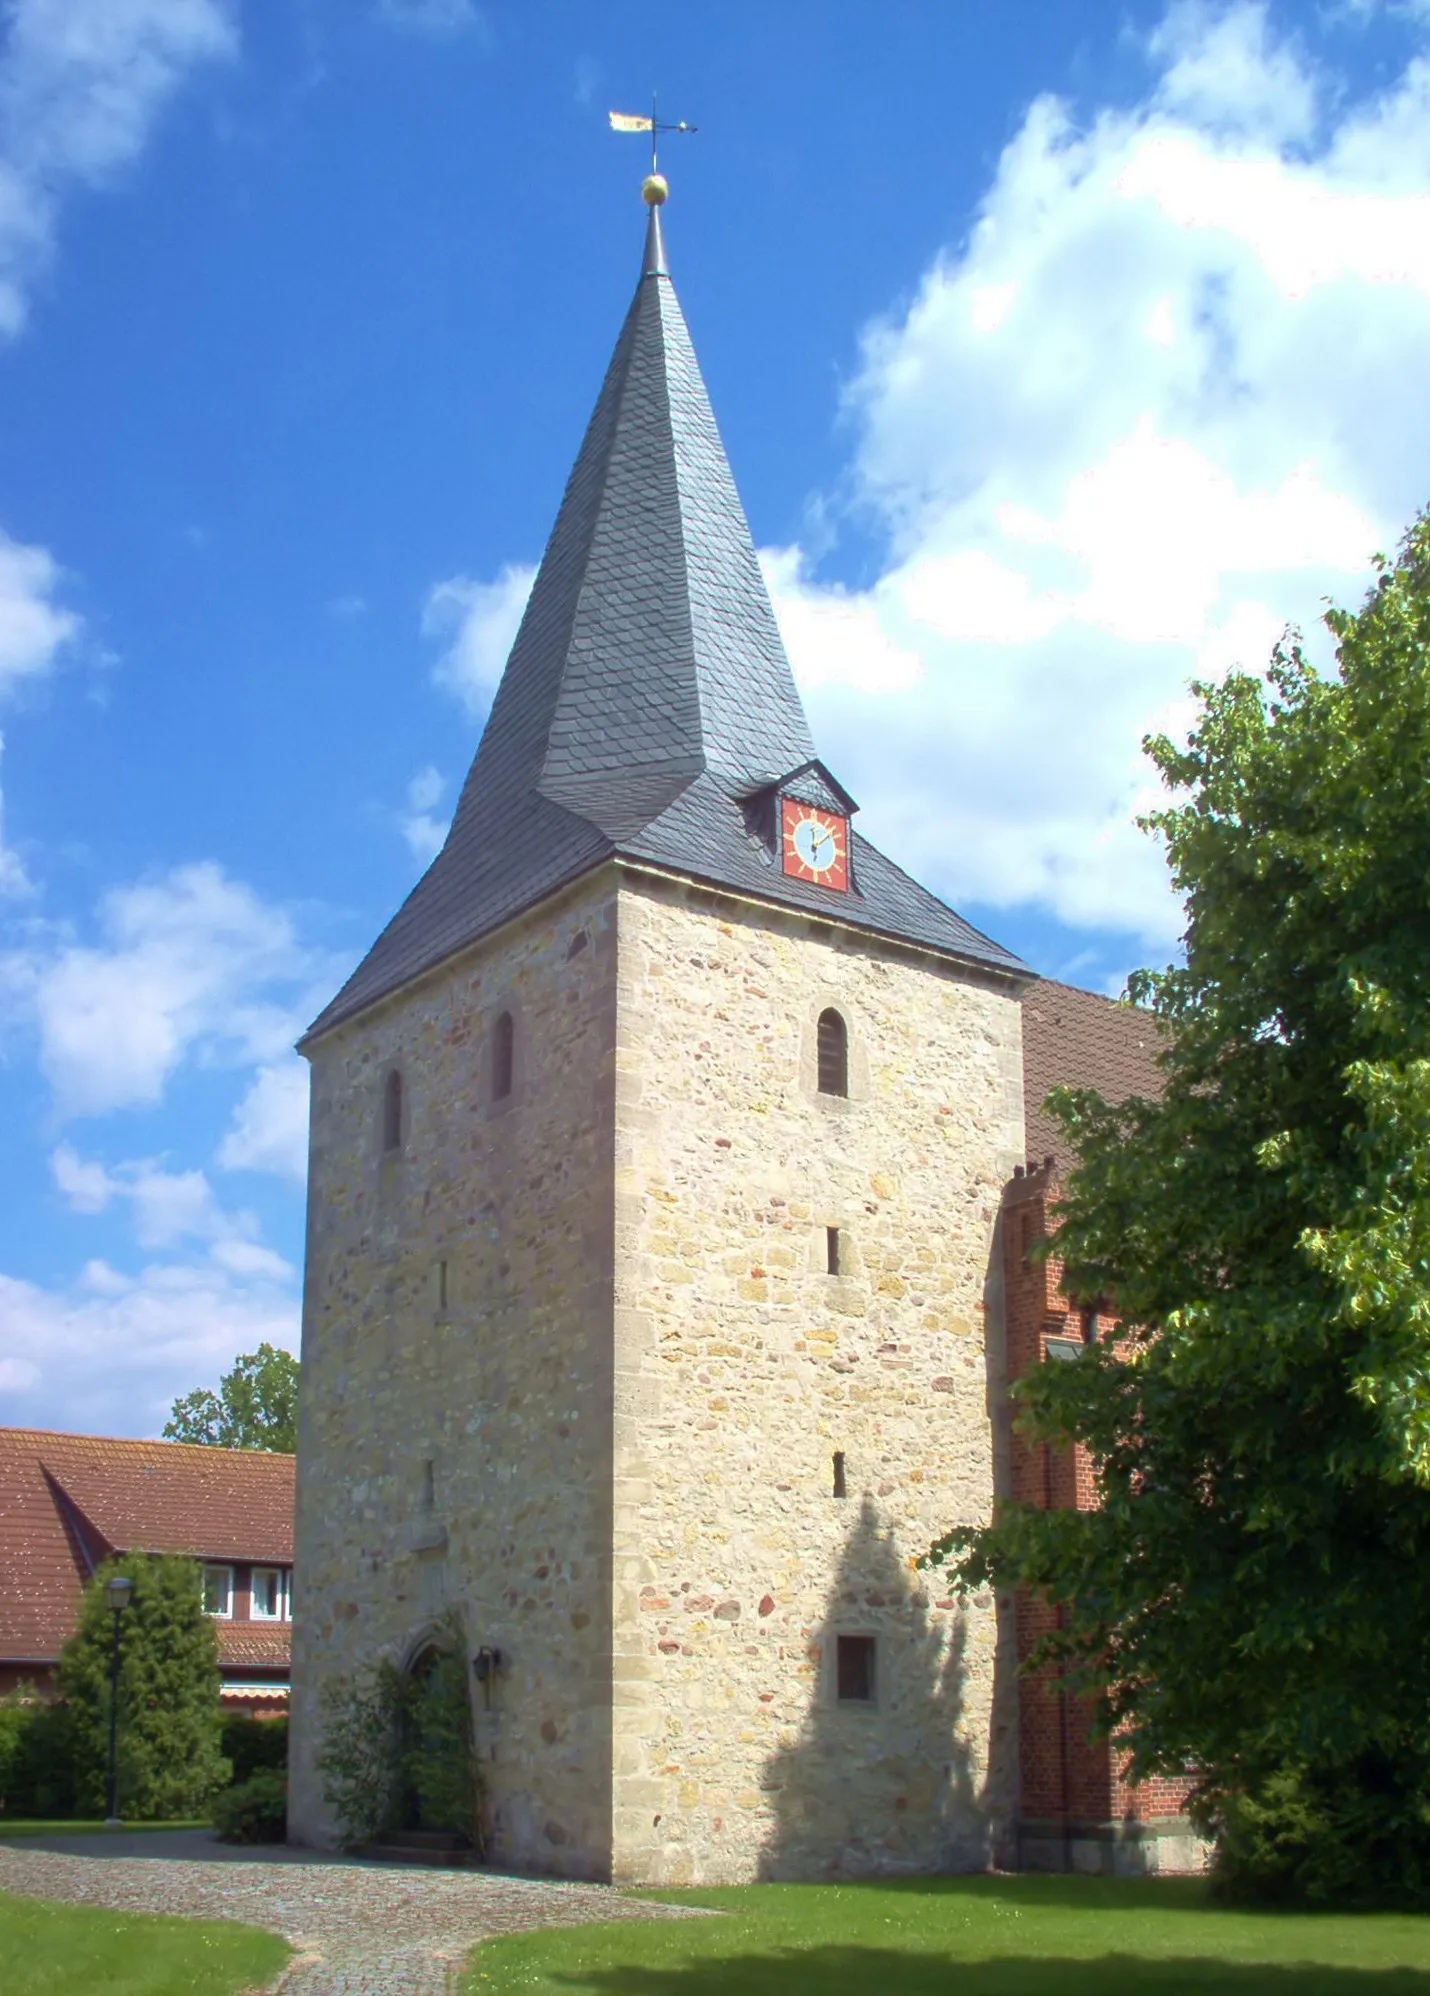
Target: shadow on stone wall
<point x="887" y="1787"/>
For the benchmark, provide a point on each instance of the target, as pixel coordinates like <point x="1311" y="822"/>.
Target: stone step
<point x="452" y="1855"/>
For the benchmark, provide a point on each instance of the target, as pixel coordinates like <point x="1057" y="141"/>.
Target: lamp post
<point x="117" y="1591"/>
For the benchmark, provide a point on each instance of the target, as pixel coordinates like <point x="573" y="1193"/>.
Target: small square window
<point x="854" y="1669"/>
<point x="218" y="1591"/>
<point x="269" y="1594"/>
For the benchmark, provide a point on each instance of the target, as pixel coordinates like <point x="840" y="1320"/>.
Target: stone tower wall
<point x="504" y="1388"/>
<point x="742" y="1366"/>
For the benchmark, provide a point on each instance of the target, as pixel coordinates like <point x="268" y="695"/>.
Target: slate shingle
<point x="647" y="693"/>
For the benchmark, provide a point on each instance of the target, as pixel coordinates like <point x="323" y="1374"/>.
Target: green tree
<point x="169" y="1717"/>
<point x="256" y="1406"/>
<point x="1253" y="1594"/>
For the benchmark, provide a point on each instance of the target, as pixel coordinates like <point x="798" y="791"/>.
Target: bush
<point x="250" y="1744"/>
<point x="15" y="1722"/>
<point x="254" y="1811"/>
<point x="36" y="1755"/>
<point x="397" y="1747"/>
<point x="1343" y="1837"/>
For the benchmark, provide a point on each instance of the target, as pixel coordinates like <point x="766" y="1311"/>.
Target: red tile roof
<point x="1078" y="1039"/>
<point x="253" y="1645"/>
<point x="66" y="1501"/>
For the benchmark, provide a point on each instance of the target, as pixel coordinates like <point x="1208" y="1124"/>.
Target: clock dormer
<point x="814" y="844"/>
<point x="803" y="821"/>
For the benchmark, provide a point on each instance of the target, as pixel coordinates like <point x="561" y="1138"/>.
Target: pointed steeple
<point x="649" y="651"/>
<point x="647" y="697"/>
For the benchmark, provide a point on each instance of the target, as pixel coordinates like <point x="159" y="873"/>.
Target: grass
<point x="67" y="1826"/>
<point x="48" y="1950"/>
<point x="967" y="1937"/>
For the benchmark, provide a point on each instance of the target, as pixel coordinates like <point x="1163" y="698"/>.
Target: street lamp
<point x="117" y="1591"/>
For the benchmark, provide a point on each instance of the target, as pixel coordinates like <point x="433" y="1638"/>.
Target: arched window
<point x="833" y="1054"/>
<point x="503" y="1056"/>
<point x="392" y="1110"/>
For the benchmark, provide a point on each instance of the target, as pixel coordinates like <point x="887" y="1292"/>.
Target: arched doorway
<point x="440" y="1786"/>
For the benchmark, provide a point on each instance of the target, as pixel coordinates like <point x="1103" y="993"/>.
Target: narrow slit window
<point x="392" y="1111"/>
<point x="429" y="1487"/>
<point x="854" y="1669"/>
<point x="442" y="1286"/>
<point x="833" y="1054"/>
<point x="840" y="1488"/>
<point x="503" y="1056"/>
<point x="831" y="1250"/>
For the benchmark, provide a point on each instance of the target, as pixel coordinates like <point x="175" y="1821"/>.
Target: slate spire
<point x="647" y="697"/>
<point x="649" y="651"/>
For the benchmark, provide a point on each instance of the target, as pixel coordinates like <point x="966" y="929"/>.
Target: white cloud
<point x="478" y="621"/>
<point x="190" y="965"/>
<point x="419" y="825"/>
<point x="269" y="1131"/>
<point x="1226" y="72"/>
<point x="14" y="881"/>
<point x="81" y="84"/>
<point x="110" y="1353"/>
<point x="34" y="628"/>
<point x="167" y="1207"/>
<point x="1134" y="425"/>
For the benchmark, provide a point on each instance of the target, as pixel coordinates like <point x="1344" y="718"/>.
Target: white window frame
<point x="224" y="1614"/>
<point x="284" y="1578"/>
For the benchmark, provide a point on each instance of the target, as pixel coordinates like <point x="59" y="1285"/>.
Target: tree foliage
<point x="169" y="1758"/>
<point x="1253" y="1594"/>
<point x="256" y="1406"/>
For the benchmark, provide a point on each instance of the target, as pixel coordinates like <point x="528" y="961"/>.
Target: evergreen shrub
<point x="170" y="1762"/>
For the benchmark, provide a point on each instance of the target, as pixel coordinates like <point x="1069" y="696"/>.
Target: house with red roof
<point x="69" y="1502"/>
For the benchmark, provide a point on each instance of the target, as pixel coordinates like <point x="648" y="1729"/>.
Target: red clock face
<point x="814" y="844"/>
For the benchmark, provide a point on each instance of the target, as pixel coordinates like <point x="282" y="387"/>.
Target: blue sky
<point x="1061" y="353"/>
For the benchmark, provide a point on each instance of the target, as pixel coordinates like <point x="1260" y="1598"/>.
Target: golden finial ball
<point x="654" y="189"/>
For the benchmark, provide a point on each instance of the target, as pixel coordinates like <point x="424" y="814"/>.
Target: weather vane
<point x="628" y="121"/>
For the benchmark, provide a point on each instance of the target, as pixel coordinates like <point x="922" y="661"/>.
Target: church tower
<point x="656" y="1151"/>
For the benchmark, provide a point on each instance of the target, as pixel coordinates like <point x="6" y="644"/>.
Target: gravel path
<point x="359" y="1929"/>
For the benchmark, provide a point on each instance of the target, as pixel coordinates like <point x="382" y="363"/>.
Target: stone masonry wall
<point x="456" y="1407"/>
<point x="742" y="1366"/>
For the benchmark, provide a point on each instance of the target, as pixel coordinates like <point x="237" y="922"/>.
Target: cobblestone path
<point x="359" y="1929"/>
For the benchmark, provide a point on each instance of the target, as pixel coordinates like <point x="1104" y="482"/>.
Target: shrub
<point x="249" y="1744"/>
<point x="169" y="1758"/>
<point x="361" y="1755"/>
<point x="1348" y="1836"/>
<point x="36" y="1755"/>
<point x="15" y="1712"/>
<point x="254" y="1811"/>
<point x="398" y="1747"/>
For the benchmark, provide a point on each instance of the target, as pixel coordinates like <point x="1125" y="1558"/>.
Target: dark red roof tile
<point x="1077" y="1039"/>
<point x="66" y="1501"/>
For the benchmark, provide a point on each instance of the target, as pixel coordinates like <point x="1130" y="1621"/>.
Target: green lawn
<point x="67" y="1826"/>
<point x="49" y="1950"/>
<point x="967" y="1937"/>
